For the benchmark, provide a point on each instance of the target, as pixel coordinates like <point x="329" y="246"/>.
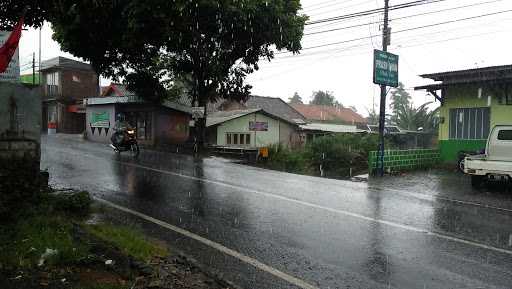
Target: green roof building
<point x="472" y="102"/>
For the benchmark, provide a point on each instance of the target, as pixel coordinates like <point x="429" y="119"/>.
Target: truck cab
<point x="496" y="163"/>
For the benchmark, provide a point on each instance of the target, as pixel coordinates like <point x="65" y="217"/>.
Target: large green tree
<point x="321" y="97"/>
<point x="400" y="99"/>
<point x="295" y="99"/>
<point x="208" y="45"/>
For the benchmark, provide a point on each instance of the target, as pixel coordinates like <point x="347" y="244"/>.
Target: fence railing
<point x="404" y="160"/>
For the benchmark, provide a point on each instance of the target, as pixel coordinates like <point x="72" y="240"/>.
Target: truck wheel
<point x="476" y="180"/>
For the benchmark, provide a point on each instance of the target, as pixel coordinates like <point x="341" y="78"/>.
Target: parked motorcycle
<point x="129" y="143"/>
<point x="461" y="158"/>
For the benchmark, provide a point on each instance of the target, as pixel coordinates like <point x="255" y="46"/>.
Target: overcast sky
<point x="346" y="68"/>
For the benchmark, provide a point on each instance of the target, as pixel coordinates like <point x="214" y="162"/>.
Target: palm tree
<point x="420" y="118"/>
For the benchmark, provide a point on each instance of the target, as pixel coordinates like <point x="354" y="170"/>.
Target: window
<point x="469" y="123"/>
<point x="76" y="78"/>
<point x="238" y="139"/>
<point x="505" y="135"/>
<point x="141" y="121"/>
<point x="52" y="78"/>
<point x="52" y="83"/>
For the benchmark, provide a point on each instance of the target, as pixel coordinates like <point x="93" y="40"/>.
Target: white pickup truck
<point x="496" y="163"/>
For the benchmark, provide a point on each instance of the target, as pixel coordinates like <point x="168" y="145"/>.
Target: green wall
<point x="467" y="97"/>
<point x="449" y="149"/>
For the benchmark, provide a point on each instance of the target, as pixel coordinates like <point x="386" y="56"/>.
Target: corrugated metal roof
<point x="336" y="128"/>
<point x="66" y="63"/>
<point x="133" y="99"/>
<point x="496" y="70"/>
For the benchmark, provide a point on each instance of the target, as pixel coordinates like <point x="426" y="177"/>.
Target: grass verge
<point x="130" y="241"/>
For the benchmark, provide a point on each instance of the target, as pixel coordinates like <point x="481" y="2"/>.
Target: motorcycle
<point x="461" y="158"/>
<point x="129" y="143"/>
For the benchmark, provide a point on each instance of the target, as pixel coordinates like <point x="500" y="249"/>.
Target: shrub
<point x="71" y="202"/>
<point x="283" y="159"/>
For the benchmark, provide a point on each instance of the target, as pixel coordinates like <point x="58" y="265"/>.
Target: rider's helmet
<point x="120" y="117"/>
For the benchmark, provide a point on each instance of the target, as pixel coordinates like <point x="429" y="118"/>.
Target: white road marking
<point x="433" y="197"/>
<point x="292" y="280"/>
<point x="336" y="211"/>
<point x="332" y="210"/>
<point x="420" y="196"/>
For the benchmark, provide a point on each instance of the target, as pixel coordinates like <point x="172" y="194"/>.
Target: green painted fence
<point x="405" y="160"/>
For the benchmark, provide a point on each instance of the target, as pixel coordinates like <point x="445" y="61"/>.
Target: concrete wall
<point x="20" y="112"/>
<point x="97" y="134"/>
<point x="467" y="97"/>
<point x="278" y="131"/>
<point x="20" y="121"/>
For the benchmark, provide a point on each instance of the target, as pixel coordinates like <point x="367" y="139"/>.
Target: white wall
<point x="278" y="131"/>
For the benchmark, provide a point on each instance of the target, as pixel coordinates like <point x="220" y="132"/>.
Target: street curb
<point x="217" y="276"/>
<point x="213" y="274"/>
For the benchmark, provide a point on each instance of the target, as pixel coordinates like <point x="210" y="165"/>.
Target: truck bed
<point x="480" y="165"/>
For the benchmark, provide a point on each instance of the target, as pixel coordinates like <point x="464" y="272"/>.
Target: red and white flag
<point x="7" y="50"/>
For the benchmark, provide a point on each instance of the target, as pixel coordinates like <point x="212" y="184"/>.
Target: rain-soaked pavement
<point x="421" y="230"/>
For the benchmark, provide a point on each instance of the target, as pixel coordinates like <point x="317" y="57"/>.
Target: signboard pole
<point x="382" y="113"/>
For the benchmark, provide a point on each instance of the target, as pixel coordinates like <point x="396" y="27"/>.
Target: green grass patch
<point x="128" y="240"/>
<point x="22" y="245"/>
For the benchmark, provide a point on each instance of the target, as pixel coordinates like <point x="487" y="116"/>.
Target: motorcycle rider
<point x="120" y="128"/>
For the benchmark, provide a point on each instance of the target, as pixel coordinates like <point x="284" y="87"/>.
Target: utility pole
<point x="39" y="66"/>
<point x="33" y="68"/>
<point x="382" y="113"/>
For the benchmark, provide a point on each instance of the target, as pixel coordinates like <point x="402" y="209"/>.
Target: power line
<point x="352" y="47"/>
<point x="374" y="11"/>
<point x="332" y="6"/>
<point x="321" y="3"/>
<point x="333" y="55"/>
<point x="403" y="17"/>
<point x="405" y="30"/>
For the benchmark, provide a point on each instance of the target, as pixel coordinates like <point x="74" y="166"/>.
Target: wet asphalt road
<point x="422" y="230"/>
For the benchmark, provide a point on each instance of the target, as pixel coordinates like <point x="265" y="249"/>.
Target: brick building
<point x="66" y="83"/>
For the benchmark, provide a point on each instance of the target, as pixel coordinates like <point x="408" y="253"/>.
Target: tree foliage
<point x="400" y="99"/>
<point x="321" y="97"/>
<point x="295" y="99"/>
<point x="210" y="45"/>
<point x="420" y="118"/>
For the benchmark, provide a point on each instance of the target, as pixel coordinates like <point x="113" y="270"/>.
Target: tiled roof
<point x="275" y="106"/>
<point x="271" y="105"/>
<point x="223" y="116"/>
<point x="329" y="113"/>
<point x="117" y="89"/>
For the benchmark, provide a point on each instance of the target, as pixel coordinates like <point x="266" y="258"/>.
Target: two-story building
<point x="472" y="102"/>
<point x="66" y="83"/>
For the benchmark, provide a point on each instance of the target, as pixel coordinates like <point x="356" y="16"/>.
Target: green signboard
<point x="100" y="119"/>
<point x="385" y="68"/>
